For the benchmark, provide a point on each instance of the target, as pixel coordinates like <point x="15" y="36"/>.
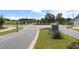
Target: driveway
<point x="19" y="40"/>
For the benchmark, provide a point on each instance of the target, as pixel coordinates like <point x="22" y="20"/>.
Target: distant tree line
<point x="26" y="20"/>
<point x="48" y="19"/>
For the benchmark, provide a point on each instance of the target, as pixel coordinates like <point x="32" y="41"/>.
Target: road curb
<point x="34" y="41"/>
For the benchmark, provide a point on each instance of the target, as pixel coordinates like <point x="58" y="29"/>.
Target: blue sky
<point x="16" y="14"/>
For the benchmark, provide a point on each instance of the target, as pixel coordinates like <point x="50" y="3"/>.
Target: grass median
<point x="45" y="42"/>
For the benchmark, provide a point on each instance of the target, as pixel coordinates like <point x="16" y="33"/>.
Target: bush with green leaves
<point x="56" y="35"/>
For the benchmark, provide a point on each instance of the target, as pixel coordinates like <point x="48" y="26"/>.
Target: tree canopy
<point x="49" y="18"/>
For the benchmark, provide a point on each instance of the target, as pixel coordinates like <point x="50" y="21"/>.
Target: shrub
<point x="74" y="45"/>
<point x="57" y="35"/>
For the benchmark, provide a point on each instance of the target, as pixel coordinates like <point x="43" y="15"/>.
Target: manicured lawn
<point x="45" y="42"/>
<point x="7" y="32"/>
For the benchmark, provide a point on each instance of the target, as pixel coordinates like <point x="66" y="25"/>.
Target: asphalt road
<point x="70" y="32"/>
<point x="23" y="39"/>
<point x="19" y="40"/>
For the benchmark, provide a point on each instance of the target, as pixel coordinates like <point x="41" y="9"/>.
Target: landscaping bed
<point x="45" y="42"/>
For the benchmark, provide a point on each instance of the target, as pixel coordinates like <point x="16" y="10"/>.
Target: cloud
<point x="70" y="13"/>
<point x="66" y="13"/>
<point x="14" y="17"/>
<point x="11" y="17"/>
<point x="39" y="11"/>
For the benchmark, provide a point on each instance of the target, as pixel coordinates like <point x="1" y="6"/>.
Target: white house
<point x="76" y="21"/>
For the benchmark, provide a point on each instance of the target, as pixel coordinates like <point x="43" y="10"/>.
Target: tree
<point x="27" y="20"/>
<point x="42" y="21"/>
<point x="38" y="21"/>
<point x="49" y="18"/>
<point x="69" y="21"/>
<point x="1" y="21"/>
<point x="59" y="18"/>
<point x="7" y="19"/>
<point x="63" y="21"/>
<point x="22" y="20"/>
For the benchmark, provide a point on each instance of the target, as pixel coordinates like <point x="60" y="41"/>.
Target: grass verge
<point x="45" y="42"/>
<point x="7" y="32"/>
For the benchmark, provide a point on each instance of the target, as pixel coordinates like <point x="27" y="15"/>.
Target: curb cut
<point x="34" y="41"/>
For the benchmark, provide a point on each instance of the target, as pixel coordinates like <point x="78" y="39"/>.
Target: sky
<point x="15" y="9"/>
<point x="37" y="14"/>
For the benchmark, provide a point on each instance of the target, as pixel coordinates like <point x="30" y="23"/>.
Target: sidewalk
<point x="9" y="28"/>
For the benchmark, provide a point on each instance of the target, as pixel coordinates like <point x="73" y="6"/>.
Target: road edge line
<point x="34" y="41"/>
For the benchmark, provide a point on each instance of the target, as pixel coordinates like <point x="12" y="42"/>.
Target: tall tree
<point x="49" y="18"/>
<point x="7" y="19"/>
<point x="1" y="21"/>
<point x="69" y="19"/>
<point x="59" y="18"/>
<point x="43" y="21"/>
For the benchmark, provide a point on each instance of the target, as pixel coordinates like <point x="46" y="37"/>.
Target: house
<point x="76" y="21"/>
